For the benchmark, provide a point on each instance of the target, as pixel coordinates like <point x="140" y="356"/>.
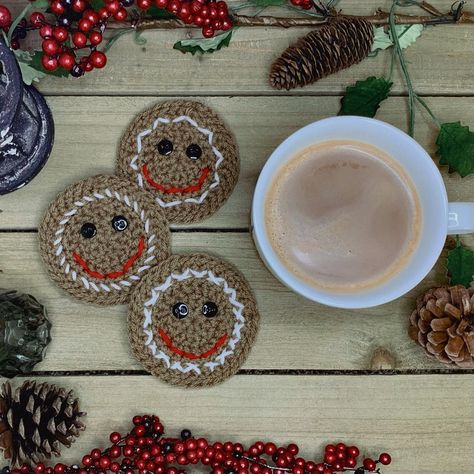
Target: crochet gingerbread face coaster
<point x="100" y="236"/>
<point x="183" y="153"/>
<point x="192" y="320"/>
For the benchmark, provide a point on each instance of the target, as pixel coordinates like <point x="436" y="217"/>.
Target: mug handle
<point x="460" y="218"/>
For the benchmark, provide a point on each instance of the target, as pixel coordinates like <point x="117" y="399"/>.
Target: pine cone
<point x="443" y="323"/>
<point x="329" y="49"/>
<point x="36" y="420"/>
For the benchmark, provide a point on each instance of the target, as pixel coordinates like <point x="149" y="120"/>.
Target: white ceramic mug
<point x="439" y="217"/>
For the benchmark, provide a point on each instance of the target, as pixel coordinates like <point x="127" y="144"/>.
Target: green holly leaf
<point x="204" y="45"/>
<point x="28" y="73"/>
<point x="156" y="12"/>
<point x="456" y="148"/>
<point x="407" y="35"/>
<point x="364" y="97"/>
<point x="460" y="265"/>
<point x="96" y="4"/>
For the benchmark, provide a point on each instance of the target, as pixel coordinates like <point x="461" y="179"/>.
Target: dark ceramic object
<point x="33" y="133"/>
<point x="11" y="86"/>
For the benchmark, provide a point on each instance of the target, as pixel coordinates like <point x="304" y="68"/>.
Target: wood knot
<point x="382" y="359"/>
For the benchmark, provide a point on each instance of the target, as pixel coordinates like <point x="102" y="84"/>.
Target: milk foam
<point x="343" y="216"/>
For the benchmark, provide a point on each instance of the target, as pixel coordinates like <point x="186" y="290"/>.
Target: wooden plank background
<point x="316" y="374"/>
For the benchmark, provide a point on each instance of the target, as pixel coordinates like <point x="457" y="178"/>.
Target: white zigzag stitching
<point x="236" y="310"/>
<point x="204" y="131"/>
<point x="106" y="193"/>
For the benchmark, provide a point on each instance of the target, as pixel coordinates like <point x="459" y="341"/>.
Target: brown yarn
<point x="109" y="252"/>
<point x="194" y="336"/>
<point x="177" y="170"/>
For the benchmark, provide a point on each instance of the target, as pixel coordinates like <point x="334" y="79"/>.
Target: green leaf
<point x="156" y="12"/>
<point x="204" y="45"/>
<point x="460" y="265"/>
<point x="364" y="97"/>
<point x="456" y="148"/>
<point x="96" y="4"/>
<point x="28" y="73"/>
<point x="407" y="35"/>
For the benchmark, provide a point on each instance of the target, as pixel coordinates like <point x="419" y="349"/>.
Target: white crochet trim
<point x="237" y="309"/>
<point x="97" y="196"/>
<point x="204" y="131"/>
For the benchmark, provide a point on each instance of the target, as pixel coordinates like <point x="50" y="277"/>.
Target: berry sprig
<point x="75" y="29"/>
<point x="145" y="450"/>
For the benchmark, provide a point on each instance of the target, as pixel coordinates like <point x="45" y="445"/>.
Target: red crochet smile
<point x="189" y="355"/>
<point x="125" y="268"/>
<point x="192" y="188"/>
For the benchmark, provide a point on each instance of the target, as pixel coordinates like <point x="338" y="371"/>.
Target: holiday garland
<point x="146" y="450"/>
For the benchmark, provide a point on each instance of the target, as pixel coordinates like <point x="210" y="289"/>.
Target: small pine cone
<point x="35" y="420"/>
<point x="443" y="323"/>
<point x="329" y="49"/>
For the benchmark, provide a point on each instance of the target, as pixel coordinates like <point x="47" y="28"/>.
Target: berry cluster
<point x="145" y="450"/>
<point x="71" y="37"/>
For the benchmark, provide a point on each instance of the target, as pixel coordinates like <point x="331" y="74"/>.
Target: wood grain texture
<point x="441" y="62"/>
<point x="294" y="333"/>
<point x="88" y="130"/>
<point x="409" y="416"/>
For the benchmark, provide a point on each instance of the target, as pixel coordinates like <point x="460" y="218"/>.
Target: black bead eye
<point x="119" y="223"/>
<point x="165" y="147"/>
<point x="88" y="230"/>
<point x="209" y="309"/>
<point x="194" y="151"/>
<point x="180" y="310"/>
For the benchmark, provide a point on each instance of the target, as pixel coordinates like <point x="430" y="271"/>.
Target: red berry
<point x="36" y="19"/>
<point x="161" y="3"/>
<point x="87" y="460"/>
<point x="91" y="15"/>
<point x="330" y="458"/>
<point x="226" y="25"/>
<point x="67" y="60"/>
<point x="330" y="448"/>
<point x="113" y="6"/>
<point x="95" y="38"/>
<point x="310" y="466"/>
<point x="115" y="452"/>
<point x="204" y="11"/>
<point x="98" y="59"/>
<point x="196" y="6"/>
<point x="15" y="44"/>
<point x="40" y="468"/>
<point x="60" y="33"/>
<point x="78" y="5"/>
<point x="138" y="430"/>
<point x="115" y="467"/>
<point x="59" y="468"/>
<point x="115" y="437"/>
<point x="79" y="39"/>
<point x="5" y="17"/>
<point x="350" y="462"/>
<point x="173" y="6"/>
<point x="104" y="462"/>
<point x="144" y="4"/>
<point x="85" y="25"/>
<point x="385" y="459"/>
<point x="121" y="15"/>
<point x="56" y="7"/>
<point x="353" y="451"/>
<point x="340" y="446"/>
<point x="96" y="454"/>
<point x="184" y="11"/>
<point x="103" y="13"/>
<point x="270" y="449"/>
<point x="46" y="31"/>
<point x="216" y="24"/>
<point x="319" y="467"/>
<point x="369" y="464"/>
<point x="50" y="47"/>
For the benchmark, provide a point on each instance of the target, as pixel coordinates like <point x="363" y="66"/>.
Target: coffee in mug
<point x="343" y="216"/>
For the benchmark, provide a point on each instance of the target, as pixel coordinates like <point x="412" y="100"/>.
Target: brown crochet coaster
<point x="183" y="153"/>
<point x="192" y="320"/>
<point x="100" y="236"/>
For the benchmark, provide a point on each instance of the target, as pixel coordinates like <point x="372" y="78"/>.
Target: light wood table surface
<point x="315" y="374"/>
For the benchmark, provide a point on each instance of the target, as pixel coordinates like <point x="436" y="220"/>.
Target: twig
<point x="379" y="18"/>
